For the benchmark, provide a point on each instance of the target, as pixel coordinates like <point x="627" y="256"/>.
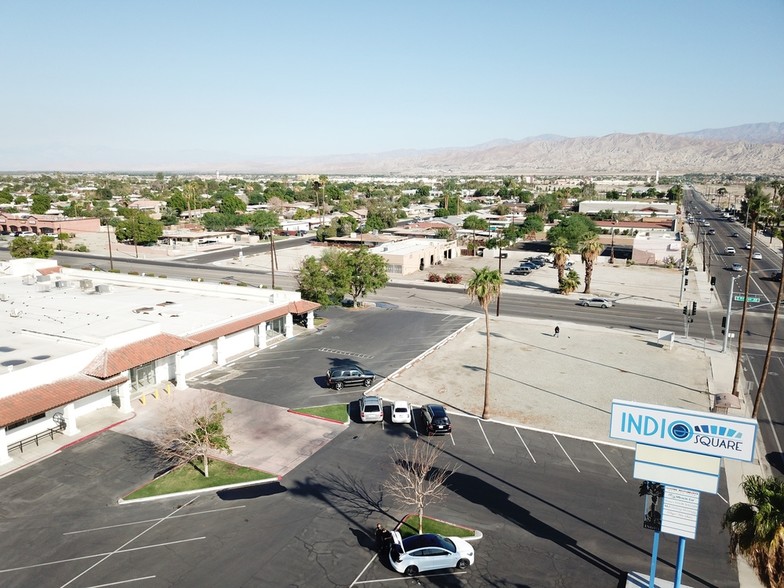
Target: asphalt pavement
<point x="562" y="384"/>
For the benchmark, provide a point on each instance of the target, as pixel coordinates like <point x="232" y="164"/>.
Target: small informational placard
<point x="679" y="513"/>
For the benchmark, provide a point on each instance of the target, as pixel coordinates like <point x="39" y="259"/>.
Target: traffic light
<point x="693" y="308"/>
<point x="686" y="282"/>
<point x="723" y="324"/>
<point x="686" y="271"/>
<point x="686" y="309"/>
<point x="713" y="280"/>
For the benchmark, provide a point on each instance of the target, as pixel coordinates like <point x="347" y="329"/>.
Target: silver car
<point x="600" y="302"/>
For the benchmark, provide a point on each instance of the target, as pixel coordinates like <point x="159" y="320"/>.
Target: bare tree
<point x="193" y="429"/>
<point x="416" y="481"/>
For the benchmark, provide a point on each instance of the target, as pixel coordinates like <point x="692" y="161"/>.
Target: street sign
<point x="741" y="298"/>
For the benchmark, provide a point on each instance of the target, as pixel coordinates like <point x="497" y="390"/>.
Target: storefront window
<point x="143" y="375"/>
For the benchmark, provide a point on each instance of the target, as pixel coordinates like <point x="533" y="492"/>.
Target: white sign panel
<point x="679" y="512"/>
<point x="685" y="430"/>
<point x="693" y="471"/>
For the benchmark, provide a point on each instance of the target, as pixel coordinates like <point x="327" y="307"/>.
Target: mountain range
<point x="755" y="149"/>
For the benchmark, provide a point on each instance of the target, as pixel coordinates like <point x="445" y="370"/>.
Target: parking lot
<point x="554" y="509"/>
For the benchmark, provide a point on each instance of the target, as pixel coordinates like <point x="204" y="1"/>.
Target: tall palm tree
<point x="772" y="337"/>
<point x="474" y="223"/>
<point x="589" y="251"/>
<point x="560" y="250"/>
<point x="757" y="204"/>
<point x="757" y="527"/>
<point x="484" y="287"/>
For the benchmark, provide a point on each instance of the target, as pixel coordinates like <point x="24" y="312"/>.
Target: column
<point x="220" y="351"/>
<point x="262" y="334"/>
<point x="179" y="371"/>
<point x="4" y="457"/>
<point x="124" y="395"/>
<point x="69" y="413"/>
<point x="311" y="323"/>
<point x="289" y="326"/>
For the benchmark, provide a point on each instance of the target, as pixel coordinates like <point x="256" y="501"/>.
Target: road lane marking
<point x="611" y="464"/>
<point x="145" y="521"/>
<point x="481" y="428"/>
<point x="131" y="540"/>
<point x="94" y="555"/>
<point x="525" y="445"/>
<point x="122" y="582"/>
<point x="566" y="454"/>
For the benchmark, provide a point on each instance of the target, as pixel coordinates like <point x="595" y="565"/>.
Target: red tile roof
<point x="297" y="307"/>
<point x="36" y="400"/>
<point x="302" y="306"/>
<point x="111" y="362"/>
<point x="49" y="270"/>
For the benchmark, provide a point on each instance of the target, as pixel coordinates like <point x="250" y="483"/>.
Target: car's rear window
<point x="372" y="408"/>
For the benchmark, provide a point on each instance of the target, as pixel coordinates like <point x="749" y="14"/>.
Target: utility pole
<point x="109" y="236"/>
<point x="727" y="316"/>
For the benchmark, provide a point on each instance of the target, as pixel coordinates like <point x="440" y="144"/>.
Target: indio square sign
<point x="685" y="430"/>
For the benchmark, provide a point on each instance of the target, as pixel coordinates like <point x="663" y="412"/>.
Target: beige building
<point x="411" y="255"/>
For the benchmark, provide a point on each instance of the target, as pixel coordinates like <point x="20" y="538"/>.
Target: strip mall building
<point x="73" y="341"/>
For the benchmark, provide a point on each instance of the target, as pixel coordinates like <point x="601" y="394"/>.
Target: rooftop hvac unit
<point x="44" y="287"/>
<point x="45" y="278"/>
<point x="86" y="284"/>
<point x="103" y="288"/>
<point x="28" y="280"/>
<point x="16" y="312"/>
<point x="61" y="284"/>
<point x="3" y="297"/>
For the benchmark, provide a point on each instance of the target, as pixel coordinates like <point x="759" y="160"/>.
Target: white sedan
<point x="756" y="255"/>
<point x="420" y="553"/>
<point x="600" y="302"/>
<point x="400" y="412"/>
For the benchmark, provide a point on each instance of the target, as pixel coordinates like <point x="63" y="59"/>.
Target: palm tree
<point x="560" y="250"/>
<point x="570" y="282"/>
<point x="474" y="223"/>
<point x="772" y="337"/>
<point x="589" y="251"/>
<point x="757" y="204"/>
<point x="757" y="528"/>
<point x="484" y="287"/>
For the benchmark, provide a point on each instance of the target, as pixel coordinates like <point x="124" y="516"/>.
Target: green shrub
<point x="63" y="236"/>
<point x="80" y="248"/>
<point x="161" y="276"/>
<point x="133" y="273"/>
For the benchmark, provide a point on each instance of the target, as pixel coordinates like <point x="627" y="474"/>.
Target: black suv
<point x="436" y="420"/>
<point x="349" y="375"/>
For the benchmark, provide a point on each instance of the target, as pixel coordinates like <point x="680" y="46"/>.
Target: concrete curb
<point x="199" y="491"/>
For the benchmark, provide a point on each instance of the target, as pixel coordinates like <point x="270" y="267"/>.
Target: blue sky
<point x="234" y="79"/>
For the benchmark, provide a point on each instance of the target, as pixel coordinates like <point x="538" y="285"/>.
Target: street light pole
<point x="109" y="237"/>
<point x="612" y="241"/>
<point x="727" y="316"/>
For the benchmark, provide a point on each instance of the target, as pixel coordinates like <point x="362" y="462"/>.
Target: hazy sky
<point x="298" y="78"/>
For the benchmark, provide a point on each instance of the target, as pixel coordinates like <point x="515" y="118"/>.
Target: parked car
<point x="349" y="375"/>
<point x="736" y="267"/>
<point x="526" y="265"/>
<point x="520" y="271"/>
<point x="429" y="551"/>
<point x="756" y="255"/>
<point x="600" y="302"/>
<point x="729" y="251"/>
<point x="436" y="420"/>
<point x="400" y="412"/>
<point x="371" y="409"/>
<point x="537" y="261"/>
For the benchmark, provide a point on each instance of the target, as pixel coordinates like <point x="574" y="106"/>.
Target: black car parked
<point x="349" y="375"/>
<point x="436" y="420"/>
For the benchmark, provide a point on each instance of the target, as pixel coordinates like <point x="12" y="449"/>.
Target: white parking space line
<point x="611" y="464"/>
<point x="533" y="459"/>
<point x="122" y="582"/>
<point x="94" y="555"/>
<point x="566" y="454"/>
<point x="131" y="540"/>
<point x="145" y="521"/>
<point x="403" y="578"/>
<point x="375" y="556"/>
<point x="481" y="428"/>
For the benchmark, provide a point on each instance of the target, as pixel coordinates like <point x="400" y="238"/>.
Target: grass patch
<point x="189" y="476"/>
<point x="410" y="527"/>
<point x="336" y="412"/>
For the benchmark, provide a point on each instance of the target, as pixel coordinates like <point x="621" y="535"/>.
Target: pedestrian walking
<point x="557" y="331"/>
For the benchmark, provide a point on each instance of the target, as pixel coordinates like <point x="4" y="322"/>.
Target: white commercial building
<point x="73" y="341"/>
